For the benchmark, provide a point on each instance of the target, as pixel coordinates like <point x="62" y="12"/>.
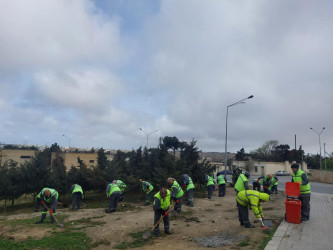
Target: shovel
<point x="268" y="223"/>
<point x="147" y="234"/>
<point x="60" y="225"/>
<point x="264" y="227"/>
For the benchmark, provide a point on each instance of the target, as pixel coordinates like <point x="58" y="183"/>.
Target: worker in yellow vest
<point x="48" y="197"/>
<point x="242" y="182"/>
<point x="113" y="191"/>
<point x="250" y="199"/>
<point x="189" y="186"/>
<point x="210" y="185"/>
<point x="177" y="194"/>
<point x="301" y="178"/>
<point x="77" y="196"/>
<point x="275" y="184"/>
<point x="221" y="180"/>
<point x="160" y="206"/>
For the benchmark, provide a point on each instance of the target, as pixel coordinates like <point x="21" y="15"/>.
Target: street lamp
<point x="319" y="143"/>
<point x="226" y="130"/>
<point x="148" y="134"/>
<point x="69" y="141"/>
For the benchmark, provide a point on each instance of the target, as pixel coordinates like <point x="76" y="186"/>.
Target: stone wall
<point x="322" y="176"/>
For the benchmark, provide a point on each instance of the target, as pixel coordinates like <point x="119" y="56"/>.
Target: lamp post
<point x="325" y="154"/>
<point x="148" y="134"/>
<point x="226" y="130"/>
<point x="69" y="141"/>
<point x="319" y="143"/>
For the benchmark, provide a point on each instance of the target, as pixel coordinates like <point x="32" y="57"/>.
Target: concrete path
<point x="317" y="233"/>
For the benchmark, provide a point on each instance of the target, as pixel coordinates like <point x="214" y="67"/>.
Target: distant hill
<point x="216" y="156"/>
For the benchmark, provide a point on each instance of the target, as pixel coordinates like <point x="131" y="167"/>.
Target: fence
<point x="323" y="176"/>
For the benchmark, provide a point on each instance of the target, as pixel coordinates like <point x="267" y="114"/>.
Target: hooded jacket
<point x="252" y="199"/>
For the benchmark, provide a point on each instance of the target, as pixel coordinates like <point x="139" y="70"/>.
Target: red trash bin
<point x="293" y="204"/>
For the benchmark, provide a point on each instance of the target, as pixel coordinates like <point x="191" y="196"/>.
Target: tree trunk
<point x="33" y="199"/>
<point x="4" y="209"/>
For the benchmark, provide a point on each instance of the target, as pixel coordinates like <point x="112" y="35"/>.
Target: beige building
<point x="17" y="155"/>
<point x="265" y="168"/>
<point x="71" y="159"/>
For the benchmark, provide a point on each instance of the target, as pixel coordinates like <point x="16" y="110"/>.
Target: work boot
<point x="241" y="223"/>
<point x="167" y="232"/>
<point x="39" y="222"/>
<point x="35" y="210"/>
<point x="249" y="225"/>
<point x="157" y="234"/>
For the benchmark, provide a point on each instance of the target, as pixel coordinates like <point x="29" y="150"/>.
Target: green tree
<point x="282" y="152"/>
<point x="313" y="161"/>
<point x="36" y="173"/>
<point x="58" y="176"/>
<point x="241" y="155"/>
<point x="101" y="159"/>
<point x="10" y="182"/>
<point x="81" y="176"/>
<point x="171" y="143"/>
<point x="265" y="151"/>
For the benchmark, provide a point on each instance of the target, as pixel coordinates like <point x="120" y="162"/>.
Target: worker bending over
<point x="250" y="199"/>
<point x="48" y="197"/>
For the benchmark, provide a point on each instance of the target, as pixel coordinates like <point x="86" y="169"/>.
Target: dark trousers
<point x="243" y="215"/>
<point x="157" y="215"/>
<point x="305" y="208"/>
<point x="178" y="207"/>
<point x="267" y="191"/>
<point x="210" y="189"/>
<point x="274" y="189"/>
<point x="76" y="200"/>
<point x="148" y="198"/>
<point x="222" y="190"/>
<point x="256" y="186"/>
<point x="44" y="212"/>
<point x="190" y="195"/>
<point x="113" y="203"/>
<point x="37" y="203"/>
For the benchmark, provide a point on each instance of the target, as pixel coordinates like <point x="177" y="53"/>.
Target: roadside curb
<point x="274" y="243"/>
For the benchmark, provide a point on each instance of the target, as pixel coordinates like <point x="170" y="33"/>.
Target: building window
<point x="255" y="168"/>
<point x="91" y="161"/>
<point x="25" y="156"/>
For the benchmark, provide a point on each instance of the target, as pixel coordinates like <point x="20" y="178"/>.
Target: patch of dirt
<point x="21" y="233"/>
<point x="207" y="218"/>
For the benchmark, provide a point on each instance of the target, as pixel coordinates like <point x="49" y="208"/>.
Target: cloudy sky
<point x="98" y="71"/>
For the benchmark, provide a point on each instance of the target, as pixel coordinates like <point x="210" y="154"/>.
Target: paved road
<point x="316" y="187"/>
<point x="313" y="234"/>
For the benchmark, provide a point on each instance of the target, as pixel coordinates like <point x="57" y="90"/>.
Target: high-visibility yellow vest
<point x="165" y="203"/>
<point x="305" y="189"/>
<point x="239" y="186"/>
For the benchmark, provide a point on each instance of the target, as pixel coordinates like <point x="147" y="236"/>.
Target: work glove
<point x="257" y="181"/>
<point x="298" y="182"/>
<point x="266" y="187"/>
<point x="165" y="213"/>
<point x="148" y="189"/>
<point x="260" y="219"/>
<point x="51" y="211"/>
<point x="42" y="202"/>
<point x="177" y="201"/>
